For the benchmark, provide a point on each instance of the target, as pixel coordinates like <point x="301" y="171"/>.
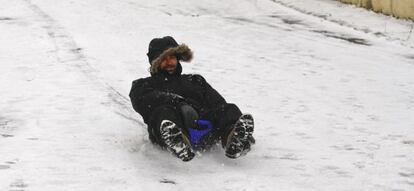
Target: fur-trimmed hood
<point x="182" y="52"/>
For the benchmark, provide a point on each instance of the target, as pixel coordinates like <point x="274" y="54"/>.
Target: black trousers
<point x="222" y="118"/>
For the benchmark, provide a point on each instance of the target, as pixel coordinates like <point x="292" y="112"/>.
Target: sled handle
<point x="196" y="135"/>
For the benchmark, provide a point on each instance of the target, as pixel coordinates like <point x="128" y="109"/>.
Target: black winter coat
<point x="163" y="89"/>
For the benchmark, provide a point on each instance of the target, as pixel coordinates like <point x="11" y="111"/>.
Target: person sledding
<point x="182" y="111"/>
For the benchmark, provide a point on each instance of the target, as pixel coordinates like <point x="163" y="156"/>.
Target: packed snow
<point x="332" y="94"/>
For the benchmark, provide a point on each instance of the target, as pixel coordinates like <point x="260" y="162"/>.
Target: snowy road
<point x="333" y="104"/>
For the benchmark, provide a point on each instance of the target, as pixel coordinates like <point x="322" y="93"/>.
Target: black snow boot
<point x="240" y="138"/>
<point x="175" y="141"/>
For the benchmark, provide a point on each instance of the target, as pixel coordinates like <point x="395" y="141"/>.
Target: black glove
<point x="189" y="114"/>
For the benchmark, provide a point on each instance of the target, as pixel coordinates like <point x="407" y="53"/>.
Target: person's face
<point x="169" y="64"/>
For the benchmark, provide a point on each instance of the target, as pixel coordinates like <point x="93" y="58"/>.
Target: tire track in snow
<point x="339" y="22"/>
<point x="323" y="16"/>
<point x="69" y="53"/>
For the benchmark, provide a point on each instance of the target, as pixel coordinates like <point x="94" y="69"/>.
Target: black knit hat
<point x="158" y="45"/>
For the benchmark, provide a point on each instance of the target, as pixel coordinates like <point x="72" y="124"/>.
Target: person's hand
<point x="189" y="114"/>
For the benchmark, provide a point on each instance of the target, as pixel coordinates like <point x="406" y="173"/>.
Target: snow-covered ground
<point x="333" y="99"/>
<point x="359" y="19"/>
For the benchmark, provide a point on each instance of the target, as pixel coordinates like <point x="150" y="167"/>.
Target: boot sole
<point x="241" y="137"/>
<point x="175" y="141"/>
